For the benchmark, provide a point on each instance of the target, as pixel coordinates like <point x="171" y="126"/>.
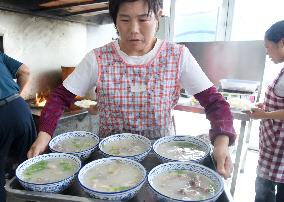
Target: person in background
<point x="270" y="169"/>
<point x="17" y="128"/>
<point x="138" y="79"/>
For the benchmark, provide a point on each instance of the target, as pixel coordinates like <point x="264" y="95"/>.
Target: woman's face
<point x="275" y="50"/>
<point x="136" y="28"/>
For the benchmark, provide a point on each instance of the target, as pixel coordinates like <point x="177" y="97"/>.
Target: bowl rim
<point x="141" y="182"/>
<point x="172" y="138"/>
<point x="71" y="133"/>
<point x="217" y="194"/>
<point x="148" y="142"/>
<point x="46" y="155"/>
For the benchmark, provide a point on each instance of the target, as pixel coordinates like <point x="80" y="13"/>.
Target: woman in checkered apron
<point x="270" y="170"/>
<point x="138" y="78"/>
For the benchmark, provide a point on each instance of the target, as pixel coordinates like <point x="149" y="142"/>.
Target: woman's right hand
<point x="40" y="145"/>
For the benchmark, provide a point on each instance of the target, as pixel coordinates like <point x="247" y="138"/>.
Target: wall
<point x="100" y="35"/>
<point x="46" y="44"/>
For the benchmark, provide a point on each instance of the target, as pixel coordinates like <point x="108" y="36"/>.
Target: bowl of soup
<point x="50" y="173"/>
<point x="127" y="145"/>
<point x="77" y="143"/>
<point x="185" y="181"/>
<point x="112" y="178"/>
<point x="181" y="148"/>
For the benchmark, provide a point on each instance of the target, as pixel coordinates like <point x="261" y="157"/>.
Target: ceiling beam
<point x="68" y="5"/>
<point x="85" y="11"/>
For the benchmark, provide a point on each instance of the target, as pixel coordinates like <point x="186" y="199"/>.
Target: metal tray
<point x="238" y="85"/>
<point x="16" y="193"/>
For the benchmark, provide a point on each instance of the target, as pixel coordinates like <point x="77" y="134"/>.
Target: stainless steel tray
<point x="16" y="193"/>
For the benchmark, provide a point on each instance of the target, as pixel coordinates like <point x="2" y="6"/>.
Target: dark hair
<point x="276" y="32"/>
<point x="114" y="5"/>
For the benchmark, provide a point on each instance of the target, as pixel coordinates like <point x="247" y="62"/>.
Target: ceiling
<point x="83" y="11"/>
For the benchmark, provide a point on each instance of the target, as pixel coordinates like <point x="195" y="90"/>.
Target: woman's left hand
<point x="256" y="113"/>
<point x="222" y="156"/>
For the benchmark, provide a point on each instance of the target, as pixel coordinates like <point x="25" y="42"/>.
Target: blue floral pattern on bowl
<point x="117" y="196"/>
<point x="52" y="187"/>
<point x="81" y="154"/>
<point x="190" y="166"/>
<point x="194" y="140"/>
<point x="123" y="136"/>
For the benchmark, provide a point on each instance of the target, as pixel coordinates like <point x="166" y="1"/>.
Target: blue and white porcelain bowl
<point x="199" y="143"/>
<point x="51" y="187"/>
<point x="83" y="154"/>
<point x="188" y="166"/>
<point x="126" y="136"/>
<point x="119" y="195"/>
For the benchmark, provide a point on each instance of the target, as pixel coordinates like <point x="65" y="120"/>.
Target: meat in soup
<point x="75" y="144"/>
<point x="125" y="147"/>
<point x="40" y="172"/>
<point x="184" y="185"/>
<point x="180" y="150"/>
<point x="112" y="177"/>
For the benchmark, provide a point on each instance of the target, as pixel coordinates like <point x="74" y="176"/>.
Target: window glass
<point x="196" y="20"/>
<point x="250" y="21"/>
<point x="252" y="18"/>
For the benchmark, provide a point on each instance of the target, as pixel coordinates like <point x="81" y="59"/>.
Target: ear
<point x="158" y="17"/>
<point x="282" y="41"/>
<point x="159" y="14"/>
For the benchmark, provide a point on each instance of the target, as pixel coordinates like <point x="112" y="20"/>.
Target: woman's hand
<point x="93" y="109"/>
<point x="260" y="106"/>
<point x="257" y="113"/>
<point x="40" y="145"/>
<point x="222" y="156"/>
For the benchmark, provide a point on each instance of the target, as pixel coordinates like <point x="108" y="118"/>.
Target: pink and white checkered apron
<point x="137" y="98"/>
<point x="271" y="139"/>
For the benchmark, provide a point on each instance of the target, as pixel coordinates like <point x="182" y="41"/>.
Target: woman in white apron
<point x="138" y="79"/>
<point x="270" y="169"/>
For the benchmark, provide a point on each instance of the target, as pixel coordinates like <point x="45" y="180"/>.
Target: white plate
<point x="85" y="103"/>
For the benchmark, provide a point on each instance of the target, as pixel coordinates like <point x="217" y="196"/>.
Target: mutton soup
<point x="184" y="185"/>
<point x="114" y="176"/>
<point x="49" y="170"/>
<point x="180" y="150"/>
<point x="75" y="144"/>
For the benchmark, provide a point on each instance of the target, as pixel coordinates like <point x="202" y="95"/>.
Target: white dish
<point x="85" y="103"/>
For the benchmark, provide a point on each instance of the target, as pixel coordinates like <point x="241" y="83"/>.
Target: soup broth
<point x="75" y="144"/>
<point x="50" y="170"/>
<point x="184" y="185"/>
<point x="180" y="150"/>
<point x="112" y="177"/>
<point x="125" y="147"/>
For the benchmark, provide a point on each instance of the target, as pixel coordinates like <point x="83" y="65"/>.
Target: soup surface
<point x="180" y="150"/>
<point x="50" y="170"/>
<point x="112" y="177"/>
<point x="184" y="185"/>
<point x="75" y="144"/>
<point x="127" y="147"/>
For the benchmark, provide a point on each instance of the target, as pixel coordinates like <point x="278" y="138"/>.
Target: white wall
<point x="99" y="35"/>
<point x="46" y="44"/>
